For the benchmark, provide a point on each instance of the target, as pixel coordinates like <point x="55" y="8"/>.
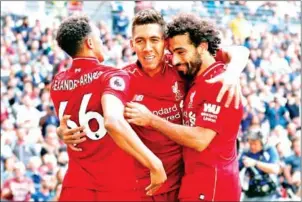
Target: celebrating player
<point x="158" y="85"/>
<point x="210" y="128"/>
<point x="93" y="95"/>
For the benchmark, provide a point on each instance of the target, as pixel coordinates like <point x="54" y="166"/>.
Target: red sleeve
<point x="117" y="83"/>
<point x="219" y="56"/>
<point x="211" y="114"/>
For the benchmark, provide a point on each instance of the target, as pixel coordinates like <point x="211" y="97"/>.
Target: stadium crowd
<point x="33" y="159"/>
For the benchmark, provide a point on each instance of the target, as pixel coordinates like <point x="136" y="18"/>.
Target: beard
<point x="193" y="68"/>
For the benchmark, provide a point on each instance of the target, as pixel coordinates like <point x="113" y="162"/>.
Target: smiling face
<point x="185" y="56"/>
<point x="148" y="43"/>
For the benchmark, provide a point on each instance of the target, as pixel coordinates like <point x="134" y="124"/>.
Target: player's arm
<point x="236" y="58"/>
<point x="197" y="138"/>
<point x="125" y="137"/>
<point x="123" y="134"/>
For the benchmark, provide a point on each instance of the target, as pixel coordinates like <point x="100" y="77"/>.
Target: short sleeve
<point x="288" y="160"/>
<point x="117" y="83"/>
<point x="210" y="113"/>
<point x="274" y="157"/>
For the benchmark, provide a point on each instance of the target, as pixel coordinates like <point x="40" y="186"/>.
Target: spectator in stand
<point x="18" y="188"/>
<point x="45" y="193"/>
<point x="240" y="28"/>
<point x="8" y="170"/>
<point x="22" y="149"/>
<point x="49" y="119"/>
<point x="120" y="23"/>
<point x="33" y="171"/>
<point x="292" y="170"/>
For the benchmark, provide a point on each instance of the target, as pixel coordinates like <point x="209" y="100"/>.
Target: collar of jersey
<point x="80" y="60"/>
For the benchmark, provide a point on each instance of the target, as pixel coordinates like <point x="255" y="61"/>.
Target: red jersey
<point x="216" y="167"/>
<point x="101" y="165"/>
<point x="162" y="94"/>
<point x="20" y="190"/>
<point x="201" y="109"/>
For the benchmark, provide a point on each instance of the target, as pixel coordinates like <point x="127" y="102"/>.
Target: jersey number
<point x="84" y="118"/>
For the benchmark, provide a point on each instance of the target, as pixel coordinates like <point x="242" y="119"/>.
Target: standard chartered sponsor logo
<point x="168" y="113"/>
<point x="189" y="119"/>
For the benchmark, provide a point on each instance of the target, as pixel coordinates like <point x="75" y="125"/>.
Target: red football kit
<point x="162" y="94"/>
<point x="102" y="170"/>
<point x="212" y="174"/>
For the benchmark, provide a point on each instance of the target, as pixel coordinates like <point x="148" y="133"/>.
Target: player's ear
<point x="203" y="46"/>
<point x="89" y="43"/>
<point x="131" y="45"/>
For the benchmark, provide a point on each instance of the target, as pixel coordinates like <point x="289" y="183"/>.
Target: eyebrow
<point x="151" y="37"/>
<point x="179" y="48"/>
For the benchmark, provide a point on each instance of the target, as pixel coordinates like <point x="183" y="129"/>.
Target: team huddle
<point x="163" y="128"/>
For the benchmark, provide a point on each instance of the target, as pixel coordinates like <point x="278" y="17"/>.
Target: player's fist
<point x="138" y="114"/>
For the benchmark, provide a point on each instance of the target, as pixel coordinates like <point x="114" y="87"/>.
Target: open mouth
<point x="149" y="58"/>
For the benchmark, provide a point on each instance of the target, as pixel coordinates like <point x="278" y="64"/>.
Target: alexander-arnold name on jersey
<point x="74" y="83"/>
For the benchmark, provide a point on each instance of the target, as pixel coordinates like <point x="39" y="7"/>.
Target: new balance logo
<point x="211" y="108"/>
<point x="138" y="98"/>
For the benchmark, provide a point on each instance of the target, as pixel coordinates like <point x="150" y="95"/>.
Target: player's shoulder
<point x="111" y="72"/>
<point x="133" y="69"/>
<point x="130" y="68"/>
<point x="270" y="149"/>
<point x="214" y="70"/>
<point x="60" y="75"/>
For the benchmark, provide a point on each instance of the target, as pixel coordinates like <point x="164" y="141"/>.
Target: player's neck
<point x="84" y="54"/>
<point x="153" y="72"/>
<point x="207" y="61"/>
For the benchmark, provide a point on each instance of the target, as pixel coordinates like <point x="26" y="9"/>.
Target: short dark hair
<point x="199" y="31"/>
<point x="72" y="32"/>
<point x="148" y="16"/>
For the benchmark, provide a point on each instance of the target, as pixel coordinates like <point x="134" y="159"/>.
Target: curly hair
<point x="199" y="31"/>
<point x="72" y="32"/>
<point x="148" y="16"/>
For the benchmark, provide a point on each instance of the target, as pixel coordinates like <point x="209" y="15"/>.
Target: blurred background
<point x="31" y="152"/>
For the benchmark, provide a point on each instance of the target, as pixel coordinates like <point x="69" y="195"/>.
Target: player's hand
<point x="71" y="137"/>
<point x="231" y="84"/>
<point x="158" y="177"/>
<point x="249" y="162"/>
<point x="137" y="114"/>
